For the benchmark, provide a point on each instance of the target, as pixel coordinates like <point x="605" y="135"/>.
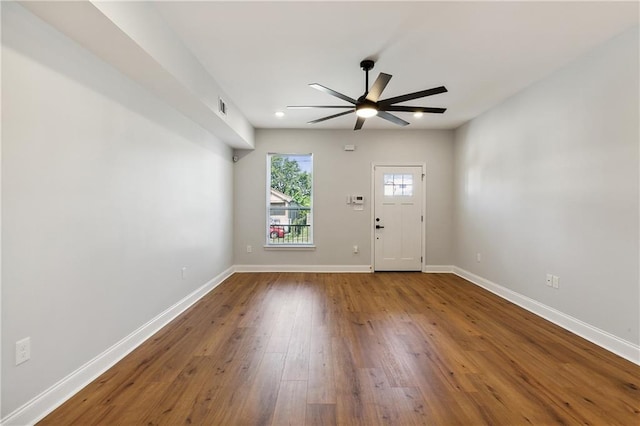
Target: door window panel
<point x="398" y="185"/>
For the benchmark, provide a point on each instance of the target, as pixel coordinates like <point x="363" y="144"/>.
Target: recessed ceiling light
<point x="418" y="114"/>
<point x="279" y="114"/>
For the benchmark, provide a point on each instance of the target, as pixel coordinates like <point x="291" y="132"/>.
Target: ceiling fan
<point x="369" y="105"/>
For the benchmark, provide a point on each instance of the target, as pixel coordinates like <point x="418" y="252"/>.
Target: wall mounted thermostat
<point x="357" y="201"/>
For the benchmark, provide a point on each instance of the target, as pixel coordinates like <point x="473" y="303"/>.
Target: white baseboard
<point x="608" y="341"/>
<point x="437" y="268"/>
<point x="305" y="268"/>
<point x="38" y="407"/>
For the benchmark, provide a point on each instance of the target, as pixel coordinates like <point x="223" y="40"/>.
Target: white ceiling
<point x="264" y="54"/>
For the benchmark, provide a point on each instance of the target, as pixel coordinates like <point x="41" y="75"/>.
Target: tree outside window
<point x="289" y="199"/>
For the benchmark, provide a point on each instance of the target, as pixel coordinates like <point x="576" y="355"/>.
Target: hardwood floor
<point x="359" y="349"/>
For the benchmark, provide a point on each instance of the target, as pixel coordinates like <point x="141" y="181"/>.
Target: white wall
<point x="338" y="173"/>
<point x="106" y="194"/>
<point x="547" y="182"/>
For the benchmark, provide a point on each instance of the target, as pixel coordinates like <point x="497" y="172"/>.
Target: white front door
<point x="398" y="218"/>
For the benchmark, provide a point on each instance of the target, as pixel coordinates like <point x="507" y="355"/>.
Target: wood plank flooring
<point x="359" y="349"/>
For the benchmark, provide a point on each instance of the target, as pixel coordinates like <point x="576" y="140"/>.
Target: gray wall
<point x="106" y="194"/>
<point x="547" y="182"/>
<point x="338" y="173"/>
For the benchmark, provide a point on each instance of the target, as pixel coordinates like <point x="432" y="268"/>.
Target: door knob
<point x="379" y="226"/>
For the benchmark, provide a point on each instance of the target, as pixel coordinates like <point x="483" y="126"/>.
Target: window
<point x="289" y="200"/>
<point x="398" y="185"/>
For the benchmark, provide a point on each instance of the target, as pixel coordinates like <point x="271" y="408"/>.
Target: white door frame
<point x="423" y="228"/>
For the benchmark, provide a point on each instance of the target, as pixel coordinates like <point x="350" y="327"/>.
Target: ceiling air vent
<point x="222" y="106"/>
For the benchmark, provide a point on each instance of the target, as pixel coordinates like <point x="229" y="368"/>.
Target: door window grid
<point x="398" y="185"/>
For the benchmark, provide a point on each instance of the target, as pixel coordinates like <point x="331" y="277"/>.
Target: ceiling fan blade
<point x="319" y="120"/>
<point x="359" y="123"/>
<point x="413" y="109"/>
<point x="392" y="118"/>
<point x="318" y="106"/>
<point x="415" y="95"/>
<point x="378" y="86"/>
<point x="332" y="92"/>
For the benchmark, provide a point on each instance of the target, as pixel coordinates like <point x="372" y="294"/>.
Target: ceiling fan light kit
<point x="366" y="111"/>
<point x="369" y="105"/>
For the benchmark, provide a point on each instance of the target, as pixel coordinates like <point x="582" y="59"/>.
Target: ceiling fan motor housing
<point x="367" y="64"/>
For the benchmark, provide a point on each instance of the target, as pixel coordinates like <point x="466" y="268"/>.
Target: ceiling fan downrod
<point x="366" y="65"/>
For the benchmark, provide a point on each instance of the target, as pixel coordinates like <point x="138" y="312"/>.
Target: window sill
<point x="299" y="247"/>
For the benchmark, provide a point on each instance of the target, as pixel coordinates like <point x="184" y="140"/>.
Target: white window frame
<point x="288" y="246"/>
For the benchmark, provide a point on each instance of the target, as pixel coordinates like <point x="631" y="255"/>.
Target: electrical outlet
<point x="556" y="281"/>
<point x="184" y="272"/>
<point x="249" y="249"/>
<point x="549" y="280"/>
<point x="23" y="350"/>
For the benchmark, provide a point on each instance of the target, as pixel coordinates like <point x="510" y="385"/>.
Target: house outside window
<point x="289" y="200"/>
